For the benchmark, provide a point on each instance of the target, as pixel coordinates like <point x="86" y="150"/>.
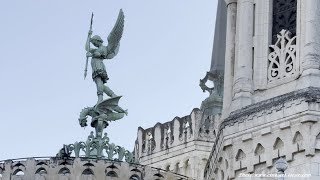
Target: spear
<point x="86" y="68"/>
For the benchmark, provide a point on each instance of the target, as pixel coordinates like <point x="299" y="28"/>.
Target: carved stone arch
<point x="42" y="163"/>
<point x="259" y="150"/>
<point x="18" y="169"/>
<point x="87" y="174"/>
<point x="112" y="167"/>
<point x="64" y="171"/>
<point x="240" y="155"/>
<point x="111" y="174"/>
<point x="112" y="171"/>
<point x="87" y="171"/>
<point x="136" y="170"/>
<point x="278" y="145"/>
<point x="18" y="164"/>
<point x="134" y="177"/>
<point x="88" y="165"/>
<point x="64" y="163"/>
<point x="298" y="139"/>
<point x="158" y="175"/>
<point x="41" y="171"/>
<point x="18" y="172"/>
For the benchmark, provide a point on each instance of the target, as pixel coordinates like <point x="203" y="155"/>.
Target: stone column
<point x="229" y="55"/>
<point x="311" y="50"/>
<point x="242" y="87"/>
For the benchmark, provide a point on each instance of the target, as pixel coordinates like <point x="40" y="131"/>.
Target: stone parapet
<point x="52" y="168"/>
<point x="181" y="145"/>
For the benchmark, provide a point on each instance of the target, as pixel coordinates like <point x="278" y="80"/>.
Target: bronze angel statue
<point x="100" y="53"/>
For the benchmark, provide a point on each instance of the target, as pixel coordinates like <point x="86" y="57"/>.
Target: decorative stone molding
<point x="172" y="133"/>
<point x="282" y="58"/>
<point x="290" y="144"/>
<point x="52" y="168"/>
<point x="311" y="94"/>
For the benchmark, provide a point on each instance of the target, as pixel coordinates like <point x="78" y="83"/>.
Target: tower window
<point x="284" y="17"/>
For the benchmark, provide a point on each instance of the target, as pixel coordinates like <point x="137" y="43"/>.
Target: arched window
<point x="64" y="171"/>
<point x="134" y="177"/>
<point x="41" y="171"/>
<point x="18" y="172"/>
<point x="298" y="139"/>
<point x="284" y="17"/>
<point x="112" y="174"/>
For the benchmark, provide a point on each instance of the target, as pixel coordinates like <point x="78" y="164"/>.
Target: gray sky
<point x="165" y="50"/>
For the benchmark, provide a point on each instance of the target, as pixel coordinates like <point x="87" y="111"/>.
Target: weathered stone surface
<point x="79" y="169"/>
<point x="181" y="145"/>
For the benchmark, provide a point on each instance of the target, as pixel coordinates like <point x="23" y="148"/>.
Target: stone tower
<point x="271" y="91"/>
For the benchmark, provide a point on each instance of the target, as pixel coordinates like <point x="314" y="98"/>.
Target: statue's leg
<point x="100" y="88"/>
<point x="108" y="91"/>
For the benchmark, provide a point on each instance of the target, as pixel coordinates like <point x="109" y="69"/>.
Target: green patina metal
<point x="97" y="145"/>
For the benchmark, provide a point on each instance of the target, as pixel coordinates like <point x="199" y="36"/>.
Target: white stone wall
<point x="183" y="150"/>
<point x="248" y="37"/>
<point x="278" y="117"/>
<point x="79" y="169"/>
<point x="251" y="140"/>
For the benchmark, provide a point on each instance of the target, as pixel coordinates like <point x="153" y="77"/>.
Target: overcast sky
<point x="165" y="50"/>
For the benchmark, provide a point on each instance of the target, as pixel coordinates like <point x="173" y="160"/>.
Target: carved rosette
<point x="282" y="58"/>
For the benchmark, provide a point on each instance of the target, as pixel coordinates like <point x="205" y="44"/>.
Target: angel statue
<point x="101" y="52"/>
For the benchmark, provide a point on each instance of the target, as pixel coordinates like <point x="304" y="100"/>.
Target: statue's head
<point x="96" y="41"/>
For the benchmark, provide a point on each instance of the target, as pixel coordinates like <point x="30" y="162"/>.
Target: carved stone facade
<point x="270" y="116"/>
<point x="282" y="58"/>
<point x="79" y="169"/>
<point x="181" y="146"/>
<point x="250" y="140"/>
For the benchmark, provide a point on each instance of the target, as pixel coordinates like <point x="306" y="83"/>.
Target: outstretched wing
<point x="108" y="105"/>
<point x="116" y="34"/>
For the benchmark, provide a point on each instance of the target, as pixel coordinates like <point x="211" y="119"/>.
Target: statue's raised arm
<point x="115" y="36"/>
